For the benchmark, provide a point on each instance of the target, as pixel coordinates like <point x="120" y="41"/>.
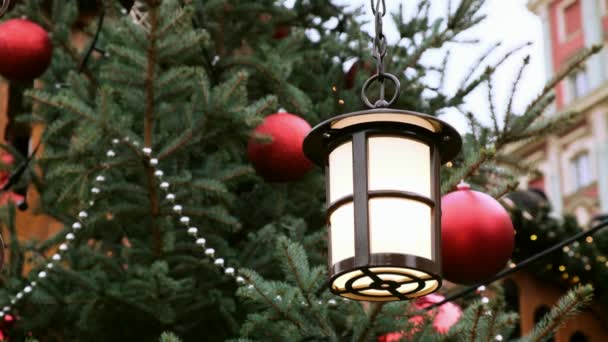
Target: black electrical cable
<point x="16" y="176"/>
<point x="521" y="265"/>
<point x="92" y="47"/>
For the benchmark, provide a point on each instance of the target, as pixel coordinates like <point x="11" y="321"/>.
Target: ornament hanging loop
<point x="379" y="52"/>
<point x="4" y="7"/>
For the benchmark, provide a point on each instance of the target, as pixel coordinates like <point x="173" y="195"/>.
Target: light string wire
<point x="583" y="234"/>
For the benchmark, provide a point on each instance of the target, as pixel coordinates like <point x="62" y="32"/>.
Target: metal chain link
<point x="376" y="7"/>
<point x="379" y="52"/>
<point x="4" y="7"/>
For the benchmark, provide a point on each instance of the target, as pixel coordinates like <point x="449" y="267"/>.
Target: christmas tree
<point x="176" y="223"/>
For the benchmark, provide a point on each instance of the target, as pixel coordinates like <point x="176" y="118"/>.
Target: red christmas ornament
<point x="6" y="323"/>
<point x="446" y="316"/>
<point x="281" y="31"/>
<point x="281" y="160"/>
<point x="25" y="50"/>
<point x="477" y="236"/>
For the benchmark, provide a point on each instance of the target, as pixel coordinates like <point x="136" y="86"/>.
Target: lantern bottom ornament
<point x="382" y="284"/>
<point x="383" y="200"/>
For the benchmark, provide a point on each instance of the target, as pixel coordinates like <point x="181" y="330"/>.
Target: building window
<point x="572" y="18"/>
<point x="579" y="84"/>
<point x="581" y="170"/>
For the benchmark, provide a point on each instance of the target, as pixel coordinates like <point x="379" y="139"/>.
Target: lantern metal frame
<point x="444" y="143"/>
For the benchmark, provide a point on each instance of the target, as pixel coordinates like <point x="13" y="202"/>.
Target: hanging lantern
<point x="383" y="196"/>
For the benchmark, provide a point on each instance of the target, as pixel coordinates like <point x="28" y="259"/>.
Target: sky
<point x="509" y="22"/>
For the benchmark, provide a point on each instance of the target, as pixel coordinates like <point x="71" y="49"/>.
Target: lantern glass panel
<point x="342" y="230"/>
<point x="397" y="163"/>
<point x="400" y="226"/>
<point x="341" y="172"/>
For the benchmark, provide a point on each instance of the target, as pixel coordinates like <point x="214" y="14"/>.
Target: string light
<point x="561" y="268"/>
<point x="83" y="215"/>
<point x="533" y="237"/>
<point x="565" y="275"/>
<point x="575" y="279"/>
<point x="587" y="267"/>
<point x="566" y="249"/>
<point x="340" y="101"/>
<point x="589" y="239"/>
<point x="449" y="165"/>
<point x="334" y="89"/>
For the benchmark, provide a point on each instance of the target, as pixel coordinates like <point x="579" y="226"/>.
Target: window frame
<point x="561" y="21"/>
<point x="581" y="180"/>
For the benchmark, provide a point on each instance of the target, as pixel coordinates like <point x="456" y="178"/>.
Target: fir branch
<point x="168" y="337"/>
<point x="466" y="172"/>
<point x="271" y="303"/>
<point x="552" y="125"/>
<point x="514" y="88"/>
<point x="552" y="83"/>
<point x="61" y="102"/>
<point x="477" y="63"/>
<point x="492" y="325"/>
<point x="473" y="332"/>
<point x="376" y="310"/>
<point x="567" y="306"/>
<point x="176" y="19"/>
<point x="491" y="103"/>
<point x="71" y="52"/>
<point x="504" y="189"/>
<point x="249" y="62"/>
<point x="284" y="248"/>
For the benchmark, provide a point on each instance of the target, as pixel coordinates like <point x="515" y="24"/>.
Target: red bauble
<point x="477" y="236"/>
<point x="281" y="31"/>
<point x="447" y="315"/>
<point x="281" y="160"/>
<point x="25" y="50"/>
<point x="6" y="323"/>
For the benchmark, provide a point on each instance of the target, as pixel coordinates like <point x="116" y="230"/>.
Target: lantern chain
<point x="379" y="52"/>
<point x="4" y="7"/>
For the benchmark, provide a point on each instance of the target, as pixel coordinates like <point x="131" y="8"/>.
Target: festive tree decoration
<point x="281" y="31"/>
<point x="282" y="159"/>
<point x="446" y="316"/>
<point x="477" y="236"/>
<point x="25" y="50"/>
<point x="6" y="323"/>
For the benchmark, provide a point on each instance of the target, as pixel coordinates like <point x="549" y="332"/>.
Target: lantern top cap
<point x="317" y="143"/>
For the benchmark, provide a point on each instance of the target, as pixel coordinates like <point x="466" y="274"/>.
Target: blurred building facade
<point x="573" y="165"/>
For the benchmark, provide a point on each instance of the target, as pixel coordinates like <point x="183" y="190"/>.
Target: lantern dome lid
<point x="317" y="143"/>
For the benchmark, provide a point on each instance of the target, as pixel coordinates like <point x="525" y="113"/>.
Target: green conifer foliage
<point x="192" y="83"/>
